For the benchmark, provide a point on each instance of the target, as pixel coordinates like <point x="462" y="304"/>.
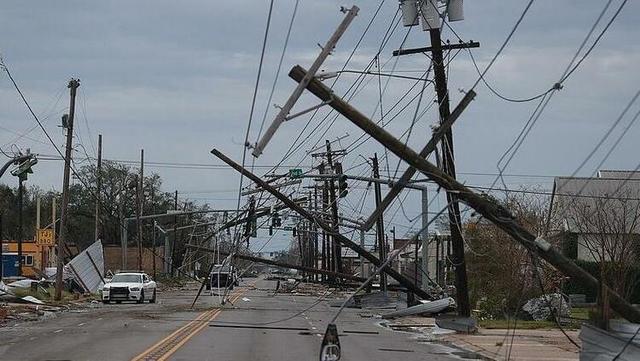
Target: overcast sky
<point x="177" y="78"/>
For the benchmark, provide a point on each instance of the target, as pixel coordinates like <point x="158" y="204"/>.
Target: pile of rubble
<point x="15" y="309"/>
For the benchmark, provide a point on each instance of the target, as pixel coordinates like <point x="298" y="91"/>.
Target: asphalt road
<point x="258" y="326"/>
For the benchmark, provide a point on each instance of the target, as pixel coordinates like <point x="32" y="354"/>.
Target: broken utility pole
<point x="486" y="207"/>
<point x="404" y="281"/>
<point x="64" y="214"/>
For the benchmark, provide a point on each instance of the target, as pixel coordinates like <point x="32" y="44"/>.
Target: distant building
<point x="604" y="208"/>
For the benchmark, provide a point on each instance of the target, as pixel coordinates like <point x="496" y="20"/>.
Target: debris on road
<point x="432" y="307"/>
<point x="32" y="299"/>
<point x="87" y="268"/>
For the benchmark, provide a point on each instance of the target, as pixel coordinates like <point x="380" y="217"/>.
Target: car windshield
<point x="127" y="278"/>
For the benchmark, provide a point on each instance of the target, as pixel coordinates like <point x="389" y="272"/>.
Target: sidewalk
<point x="527" y="345"/>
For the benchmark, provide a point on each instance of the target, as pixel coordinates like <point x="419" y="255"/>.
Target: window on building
<point x="27" y="260"/>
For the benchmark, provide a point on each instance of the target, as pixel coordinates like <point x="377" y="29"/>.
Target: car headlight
<point x="134" y="289"/>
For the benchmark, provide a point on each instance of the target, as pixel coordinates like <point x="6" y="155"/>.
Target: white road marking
<point x="56" y="331"/>
<point x="81" y="324"/>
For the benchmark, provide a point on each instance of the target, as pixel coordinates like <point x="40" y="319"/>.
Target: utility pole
<point x="1" y="238"/>
<point x="98" y="189"/>
<point x="283" y="114"/>
<point x="20" y="195"/>
<point x="379" y="224"/>
<point x="42" y="247"/>
<point x="425" y="240"/>
<point x="175" y="234"/>
<point x="326" y="253"/>
<point x="73" y="86"/>
<point x="123" y="225"/>
<point x="462" y="290"/>
<point x="153" y="232"/>
<point x="314" y="228"/>
<point x="336" y="249"/>
<point x="54" y="208"/>
<point x="139" y="196"/>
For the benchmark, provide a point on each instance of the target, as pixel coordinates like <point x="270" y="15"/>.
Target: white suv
<point x="129" y="286"/>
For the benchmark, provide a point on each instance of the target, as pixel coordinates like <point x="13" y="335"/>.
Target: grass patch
<point x="581" y="313"/>
<point x="524" y="325"/>
<point x="45" y="295"/>
<point x="170" y="282"/>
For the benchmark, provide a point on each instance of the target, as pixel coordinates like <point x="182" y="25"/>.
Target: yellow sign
<point x="45" y="237"/>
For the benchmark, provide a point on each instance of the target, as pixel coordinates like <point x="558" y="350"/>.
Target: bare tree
<point x="608" y="233"/>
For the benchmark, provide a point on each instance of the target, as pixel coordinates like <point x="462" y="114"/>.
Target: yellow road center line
<point x="191" y="329"/>
<point x="172" y="335"/>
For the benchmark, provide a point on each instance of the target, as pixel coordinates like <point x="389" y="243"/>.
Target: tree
<point x="503" y="272"/>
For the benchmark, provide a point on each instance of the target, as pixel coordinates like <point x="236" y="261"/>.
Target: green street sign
<point x="295" y="173"/>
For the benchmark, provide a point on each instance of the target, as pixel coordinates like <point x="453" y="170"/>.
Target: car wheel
<point x="141" y="300"/>
<point x="153" y="298"/>
<point x="118" y="302"/>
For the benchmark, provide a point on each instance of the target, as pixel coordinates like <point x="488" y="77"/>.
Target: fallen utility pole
<point x="64" y="213"/>
<point x="281" y="264"/>
<point x="404" y="281"/>
<point x="487" y="207"/>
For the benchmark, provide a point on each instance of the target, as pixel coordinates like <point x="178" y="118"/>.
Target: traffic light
<point x="342" y="181"/>
<point x="342" y="186"/>
<point x="275" y="220"/>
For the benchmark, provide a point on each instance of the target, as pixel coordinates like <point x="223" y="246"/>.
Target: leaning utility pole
<point x="73" y="86"/>
<point x="283" y="114"/>
<point x="382" y="246"/>
<point x="98" y="189"/>
<point x="485" y="206"/>
<point x="291" y="204"/>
